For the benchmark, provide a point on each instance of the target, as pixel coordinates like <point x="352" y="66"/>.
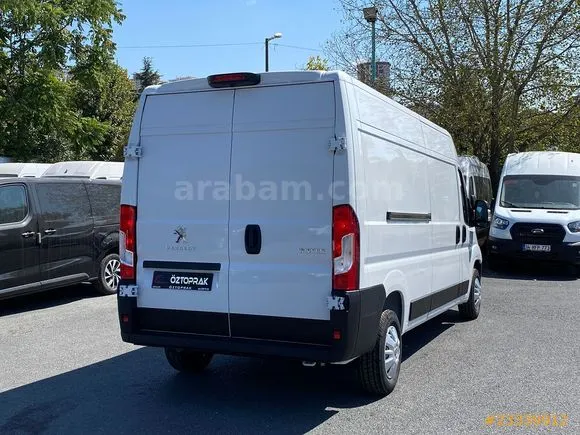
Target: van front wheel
<point x="186" y="360"/>
<point x="378" y="370"/>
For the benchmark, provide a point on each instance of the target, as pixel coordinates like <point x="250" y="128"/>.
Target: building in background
<point x="5" y="159"/>
<point x="383" y="74"/>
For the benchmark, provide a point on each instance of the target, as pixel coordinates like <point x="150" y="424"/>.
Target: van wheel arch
<point x="395" y="302"/>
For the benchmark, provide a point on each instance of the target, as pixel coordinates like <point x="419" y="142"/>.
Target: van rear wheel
<point x="187" y="360"/>
<point x="378" y="369"/>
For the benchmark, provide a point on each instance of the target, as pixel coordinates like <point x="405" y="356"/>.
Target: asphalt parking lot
<point x="64" y="369"/>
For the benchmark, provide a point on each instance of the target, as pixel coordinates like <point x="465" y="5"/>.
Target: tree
<point x="39" y="43"/>
<point x="316" y="63"/>
<point x="104" y="97"/>
<point x="148" y="76"/>
<point x="477" y="67"/>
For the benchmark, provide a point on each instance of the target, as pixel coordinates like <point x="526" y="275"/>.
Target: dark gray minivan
<point x="56" y="232"/>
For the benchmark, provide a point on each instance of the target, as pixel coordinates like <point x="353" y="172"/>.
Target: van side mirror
<point x="481" y="213"/>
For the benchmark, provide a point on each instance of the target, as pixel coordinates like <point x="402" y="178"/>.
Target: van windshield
<point x="541" y="191"/>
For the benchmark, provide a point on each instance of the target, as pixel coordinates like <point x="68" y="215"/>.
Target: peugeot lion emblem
<point x="538" y="231"/>
<point x="181" y="234"/>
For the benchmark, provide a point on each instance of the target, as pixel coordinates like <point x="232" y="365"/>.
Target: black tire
<point x="371" y="367"/>
<point x="187" y="360"/>
<point x="470" y="309"/>
<point x="107" y="284"/>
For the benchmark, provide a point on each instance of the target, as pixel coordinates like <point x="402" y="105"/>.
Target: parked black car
<point x="56" y="232"/>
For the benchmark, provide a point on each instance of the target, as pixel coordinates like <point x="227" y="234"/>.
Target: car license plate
<point x="538" y="248"/>
<point x="182" y="280"/>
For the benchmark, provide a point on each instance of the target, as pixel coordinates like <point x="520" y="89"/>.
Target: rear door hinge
<point x="128" y="291"/>
<point x="335" y="303"/>
<point x="337" y="144"/>
<point x="133" y="150"/>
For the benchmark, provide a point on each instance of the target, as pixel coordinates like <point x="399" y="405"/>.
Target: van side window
<point x="474" y="188"/>
<point x="445" y="206"/>
<point x="64" y="201"/>
<point x="105" y="199"/>
<point x="13" y="204"/>
<point x="464" y="199"/>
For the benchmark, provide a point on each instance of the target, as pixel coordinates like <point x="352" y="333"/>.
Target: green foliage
<point x="41" y="44"/>
<point x="316" y="63"/>
<point x="105" y="101"/>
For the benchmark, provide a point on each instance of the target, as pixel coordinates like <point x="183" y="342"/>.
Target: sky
<point x="153" y="23"/>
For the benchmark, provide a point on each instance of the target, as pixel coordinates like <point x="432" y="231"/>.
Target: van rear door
<point x="281" y="212"/>
<point x="183" y="211"/>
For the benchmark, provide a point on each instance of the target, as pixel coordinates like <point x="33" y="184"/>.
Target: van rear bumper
<point x="348" y="334"/>
<point x="559" y="252"/>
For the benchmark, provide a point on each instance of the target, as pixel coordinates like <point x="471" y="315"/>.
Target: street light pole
<point x="266" y="41"/>
<point x="370" y="15"/>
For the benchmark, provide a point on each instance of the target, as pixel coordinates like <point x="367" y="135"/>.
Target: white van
<point x="298" y="214"/>
<point x="24" y="170"/>
<point x="94" y="170"/>
<point x="537" y="212"/>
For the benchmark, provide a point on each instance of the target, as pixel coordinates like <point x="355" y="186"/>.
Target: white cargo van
<point x="299" y="215"/>
<point x="537" y="211"/>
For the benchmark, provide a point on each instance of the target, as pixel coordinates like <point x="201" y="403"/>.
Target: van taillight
<point x="127" y="241"/>
<point x="345" y="248"/>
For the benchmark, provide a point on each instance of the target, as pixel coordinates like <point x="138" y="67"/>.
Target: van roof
<point x="284" y="78"/>
<point x="543" y="163"/>
<point x="57" y="180"/>
<point x="473" y="166"/>
<point x="266" y="79"/>
<point x="86" y="169"/>
<point x="23" y="169"/>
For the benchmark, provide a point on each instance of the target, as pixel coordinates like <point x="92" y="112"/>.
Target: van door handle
<point x="253" y="239"/>
<point x="50" y="231"/>
<point x="464" y="235"/>
<point x="28" y="234"/>
<point x="457" y="235"/>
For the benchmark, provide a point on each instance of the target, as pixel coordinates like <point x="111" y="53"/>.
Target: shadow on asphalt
<point x="46" y="299"/>
<point x="532" y="271"/>
<point x="138" y="391"/>
<point x="417" y="338"/>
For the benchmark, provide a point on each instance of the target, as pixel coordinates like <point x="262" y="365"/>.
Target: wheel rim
<point x="477" y="293"/>
<point x="392" y="352"/>
<point x="113" y="273"/>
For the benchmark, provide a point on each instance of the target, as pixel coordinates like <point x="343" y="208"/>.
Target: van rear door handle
<point x="28" y="234"/>
<point x="457" y="235"/>
<point x="253" y="239"/>
<point x="50" y="231"/>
